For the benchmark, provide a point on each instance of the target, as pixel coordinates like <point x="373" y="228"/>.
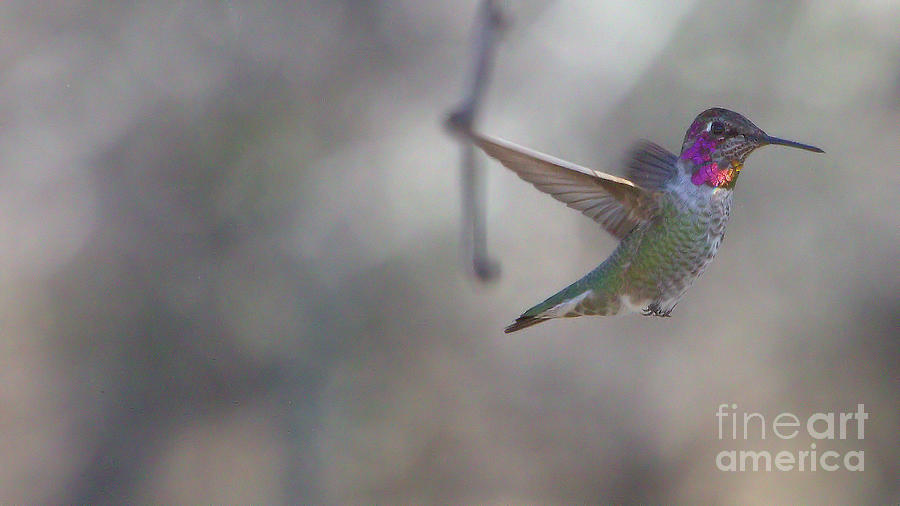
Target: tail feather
<point x="597" y="293"/>
<point x="566" y="304"/>
<point x="523" y="322"/>
<point x="561" y="305"/>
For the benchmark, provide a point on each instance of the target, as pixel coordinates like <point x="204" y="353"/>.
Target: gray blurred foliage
<point x="229" y="253"/>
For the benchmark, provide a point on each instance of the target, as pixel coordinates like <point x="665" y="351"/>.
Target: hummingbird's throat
<point x="712" y="175"/>
<point x="709" y="172"/>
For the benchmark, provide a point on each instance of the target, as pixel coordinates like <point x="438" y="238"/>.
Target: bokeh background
<point x="231" y="269"/>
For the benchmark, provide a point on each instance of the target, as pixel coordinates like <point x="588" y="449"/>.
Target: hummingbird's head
<point x="719" y="141"/>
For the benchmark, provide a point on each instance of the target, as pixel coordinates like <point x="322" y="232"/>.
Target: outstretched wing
<point x="616" y="203"/>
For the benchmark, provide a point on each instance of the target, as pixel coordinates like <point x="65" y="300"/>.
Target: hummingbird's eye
<point x="717" y="128"/>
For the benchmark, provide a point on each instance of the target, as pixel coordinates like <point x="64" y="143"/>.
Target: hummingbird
<point x="669" y="213"/>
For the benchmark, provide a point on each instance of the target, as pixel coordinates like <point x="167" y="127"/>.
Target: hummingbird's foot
<point x="655" y="310"/>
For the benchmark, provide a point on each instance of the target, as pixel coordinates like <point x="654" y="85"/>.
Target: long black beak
<point x="766" y="139"/>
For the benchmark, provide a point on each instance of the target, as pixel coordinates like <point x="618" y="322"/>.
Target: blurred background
<point x="231" y="265"/>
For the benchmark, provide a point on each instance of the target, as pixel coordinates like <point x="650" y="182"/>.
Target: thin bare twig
<point x="474" y="233"/>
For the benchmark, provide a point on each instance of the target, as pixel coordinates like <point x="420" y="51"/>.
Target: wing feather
<point x="650" y="166"/>
<point x="614" y="202"/>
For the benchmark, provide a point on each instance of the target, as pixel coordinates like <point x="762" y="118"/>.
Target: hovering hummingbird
<point x="670" y="213"/>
